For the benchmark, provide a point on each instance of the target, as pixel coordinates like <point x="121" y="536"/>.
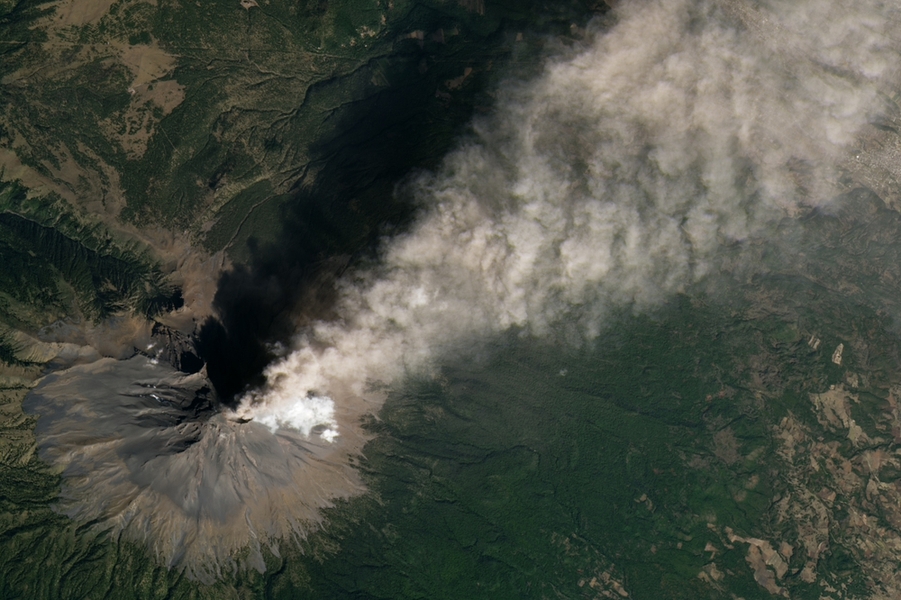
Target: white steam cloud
<point x="612" y="180"/>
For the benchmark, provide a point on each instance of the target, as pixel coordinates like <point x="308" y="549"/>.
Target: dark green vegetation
<point x="665" y="461"/>
<point x="646" y="463"/>
<point x="54" y="266"/>
<point x="259" y="99"/>
<point x="623" y="464"/>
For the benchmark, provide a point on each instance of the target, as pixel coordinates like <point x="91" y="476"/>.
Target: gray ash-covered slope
<point x="147" y="454"/>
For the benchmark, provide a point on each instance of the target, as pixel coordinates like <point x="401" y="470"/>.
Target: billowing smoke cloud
<point x="609" y="182"/>
<point x="612" y="180"/>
